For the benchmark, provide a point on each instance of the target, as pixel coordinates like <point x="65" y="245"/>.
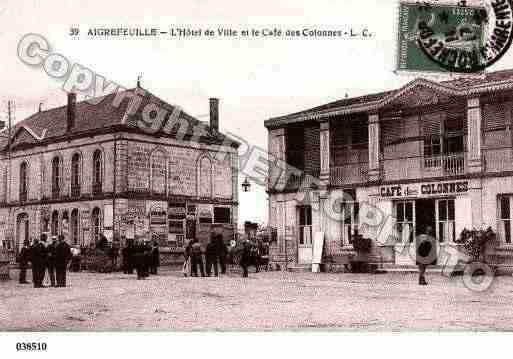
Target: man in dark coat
<point x="50" y="260"/>
<point x="62" y="257"/>
<point x="38" y="257"/>
<point x="426" y="253"/>
<point x="155" y="257"/>
<point x="141" y="259"/>
<point x="130" y="252"/>
<point x="23" y="259"/>
<point x="211" y="255"/>
<point x="221" y="252"/>
<point x="114" y="254"/>
<point x="196" y="258"/>
<point x="245" y="258"/>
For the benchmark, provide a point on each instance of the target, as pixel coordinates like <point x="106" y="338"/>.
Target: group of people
<point x="142" y="256"/>
<point x="215" y="253"/>
<point x="45" y="257"/>
<point x="216" y="256"/>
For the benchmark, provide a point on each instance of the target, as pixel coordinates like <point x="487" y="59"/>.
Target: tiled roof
<point x="101" y="114"/>
<point x="460" y="84"/>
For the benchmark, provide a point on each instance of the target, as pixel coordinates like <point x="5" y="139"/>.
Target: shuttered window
<point x="494" y="116"/>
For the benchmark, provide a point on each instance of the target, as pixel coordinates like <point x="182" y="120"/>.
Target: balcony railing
<point x="350" y="173"/>
<point x="56" y="192"/>
<point x="97" y="188"/>
<point x="75" y="191"/>
<point x="450" y="164"/>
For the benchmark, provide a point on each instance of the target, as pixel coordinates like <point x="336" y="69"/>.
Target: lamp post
<point x="246" y="186"/>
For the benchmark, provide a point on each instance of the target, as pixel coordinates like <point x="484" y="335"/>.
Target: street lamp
<point x="246" y="185"/>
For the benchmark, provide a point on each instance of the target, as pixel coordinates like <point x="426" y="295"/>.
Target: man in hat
<point x="62" y="257"/>
<point x="196" y="258"/>
<point x="50" y="260"/>
<point x="38" y="257"/>
<point x="211" y="254"/>
<point x="23" y="259"/>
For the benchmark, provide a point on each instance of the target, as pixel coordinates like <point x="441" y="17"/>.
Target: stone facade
<point x="142" y="186"/>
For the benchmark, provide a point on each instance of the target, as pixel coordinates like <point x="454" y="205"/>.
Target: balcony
<point x="423" y="167"/>
<point x="349" y="173"/>
<point x="75" y="191"/>
<point x="453" y="164"/>
<point x="97" y="188"/>
<point x="56" y="191"/>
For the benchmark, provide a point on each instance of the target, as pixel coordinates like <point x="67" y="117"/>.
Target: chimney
<point x="214" y="114"/>
<point x="71" y="110"/>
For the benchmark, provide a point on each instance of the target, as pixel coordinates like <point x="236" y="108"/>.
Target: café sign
<point x="425" y="189"/>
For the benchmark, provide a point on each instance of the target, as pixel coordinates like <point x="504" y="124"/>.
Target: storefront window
<point x="222" y="215"/>
<point x="305" y="225"/>
<point x="505" y="218"/>
<point x="446" y="227"/>
<point x="405" y="220"/>
<point x="349" y="212"/>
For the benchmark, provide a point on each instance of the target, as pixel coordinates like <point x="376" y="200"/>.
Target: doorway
<point x="305" y="248"/>
<point x="22" y="230"/>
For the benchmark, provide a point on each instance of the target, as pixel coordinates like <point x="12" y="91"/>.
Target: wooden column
<point x="474" y="116"/>
<point x="325" y="153"/>
<point x="277" y="148"/>
<point x="373" y="147"/>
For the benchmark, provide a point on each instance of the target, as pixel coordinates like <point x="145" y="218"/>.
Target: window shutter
<point x="494" y="116"/>
<point x="431" y="125"/>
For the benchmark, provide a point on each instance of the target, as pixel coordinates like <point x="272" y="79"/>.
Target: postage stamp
<point x="436" y="37"/>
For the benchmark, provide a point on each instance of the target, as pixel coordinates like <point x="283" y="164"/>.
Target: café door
<point x="305" y="248"/>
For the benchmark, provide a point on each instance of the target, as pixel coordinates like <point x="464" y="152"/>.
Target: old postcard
<point x="201" y="166"/>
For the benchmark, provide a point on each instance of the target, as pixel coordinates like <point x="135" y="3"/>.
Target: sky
<point x="254" y="78"/>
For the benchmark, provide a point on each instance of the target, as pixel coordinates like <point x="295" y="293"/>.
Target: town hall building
<point x="430" y="154"/>
<point x="92" y="167"/>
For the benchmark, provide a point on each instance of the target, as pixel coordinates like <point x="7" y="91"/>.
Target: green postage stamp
<point x="437" y="37"/>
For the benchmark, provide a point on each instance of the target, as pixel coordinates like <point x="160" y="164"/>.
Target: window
<point x="359" y="132"/>
<point x="222" y="215"/>
<point x="55" y="223"/>
<point x="96" y="223"/>
<point x="305" y="225"/>
<point x="504" y="224"/>
<point x="445" y="223"/>
<point x="74" y="226"/>
<point x="158" y="173"/>
<point x="23" y="182"/>
<point x="349" y="212"/>
<point x="432" y="146"/>
<point x="97" y="172"/>
<point x="205" y="177"/>
<point x="405" y="220"/>
<point x="56" y="177"/>
<point x="75" y="175"/>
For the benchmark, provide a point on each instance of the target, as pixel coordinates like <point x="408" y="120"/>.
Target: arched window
<point x="56" y="177"/>
<point x="75" y="175"/>
<point x="205" y="177"/>
<point x="55" y="223"/>
<point x="97" y="172"/>
<point x="23" y="182"/>
<point x="96" y="223"/>
<point x="158" y="172"/>
<point x="74" y="226"/>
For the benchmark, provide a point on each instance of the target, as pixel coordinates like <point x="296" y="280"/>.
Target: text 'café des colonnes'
<point x="436" y="154"/>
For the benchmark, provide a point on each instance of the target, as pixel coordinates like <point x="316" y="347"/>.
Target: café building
<point x="429" y="154"/>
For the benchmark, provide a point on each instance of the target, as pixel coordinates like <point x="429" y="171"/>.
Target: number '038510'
<point x="30" y="346"/>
